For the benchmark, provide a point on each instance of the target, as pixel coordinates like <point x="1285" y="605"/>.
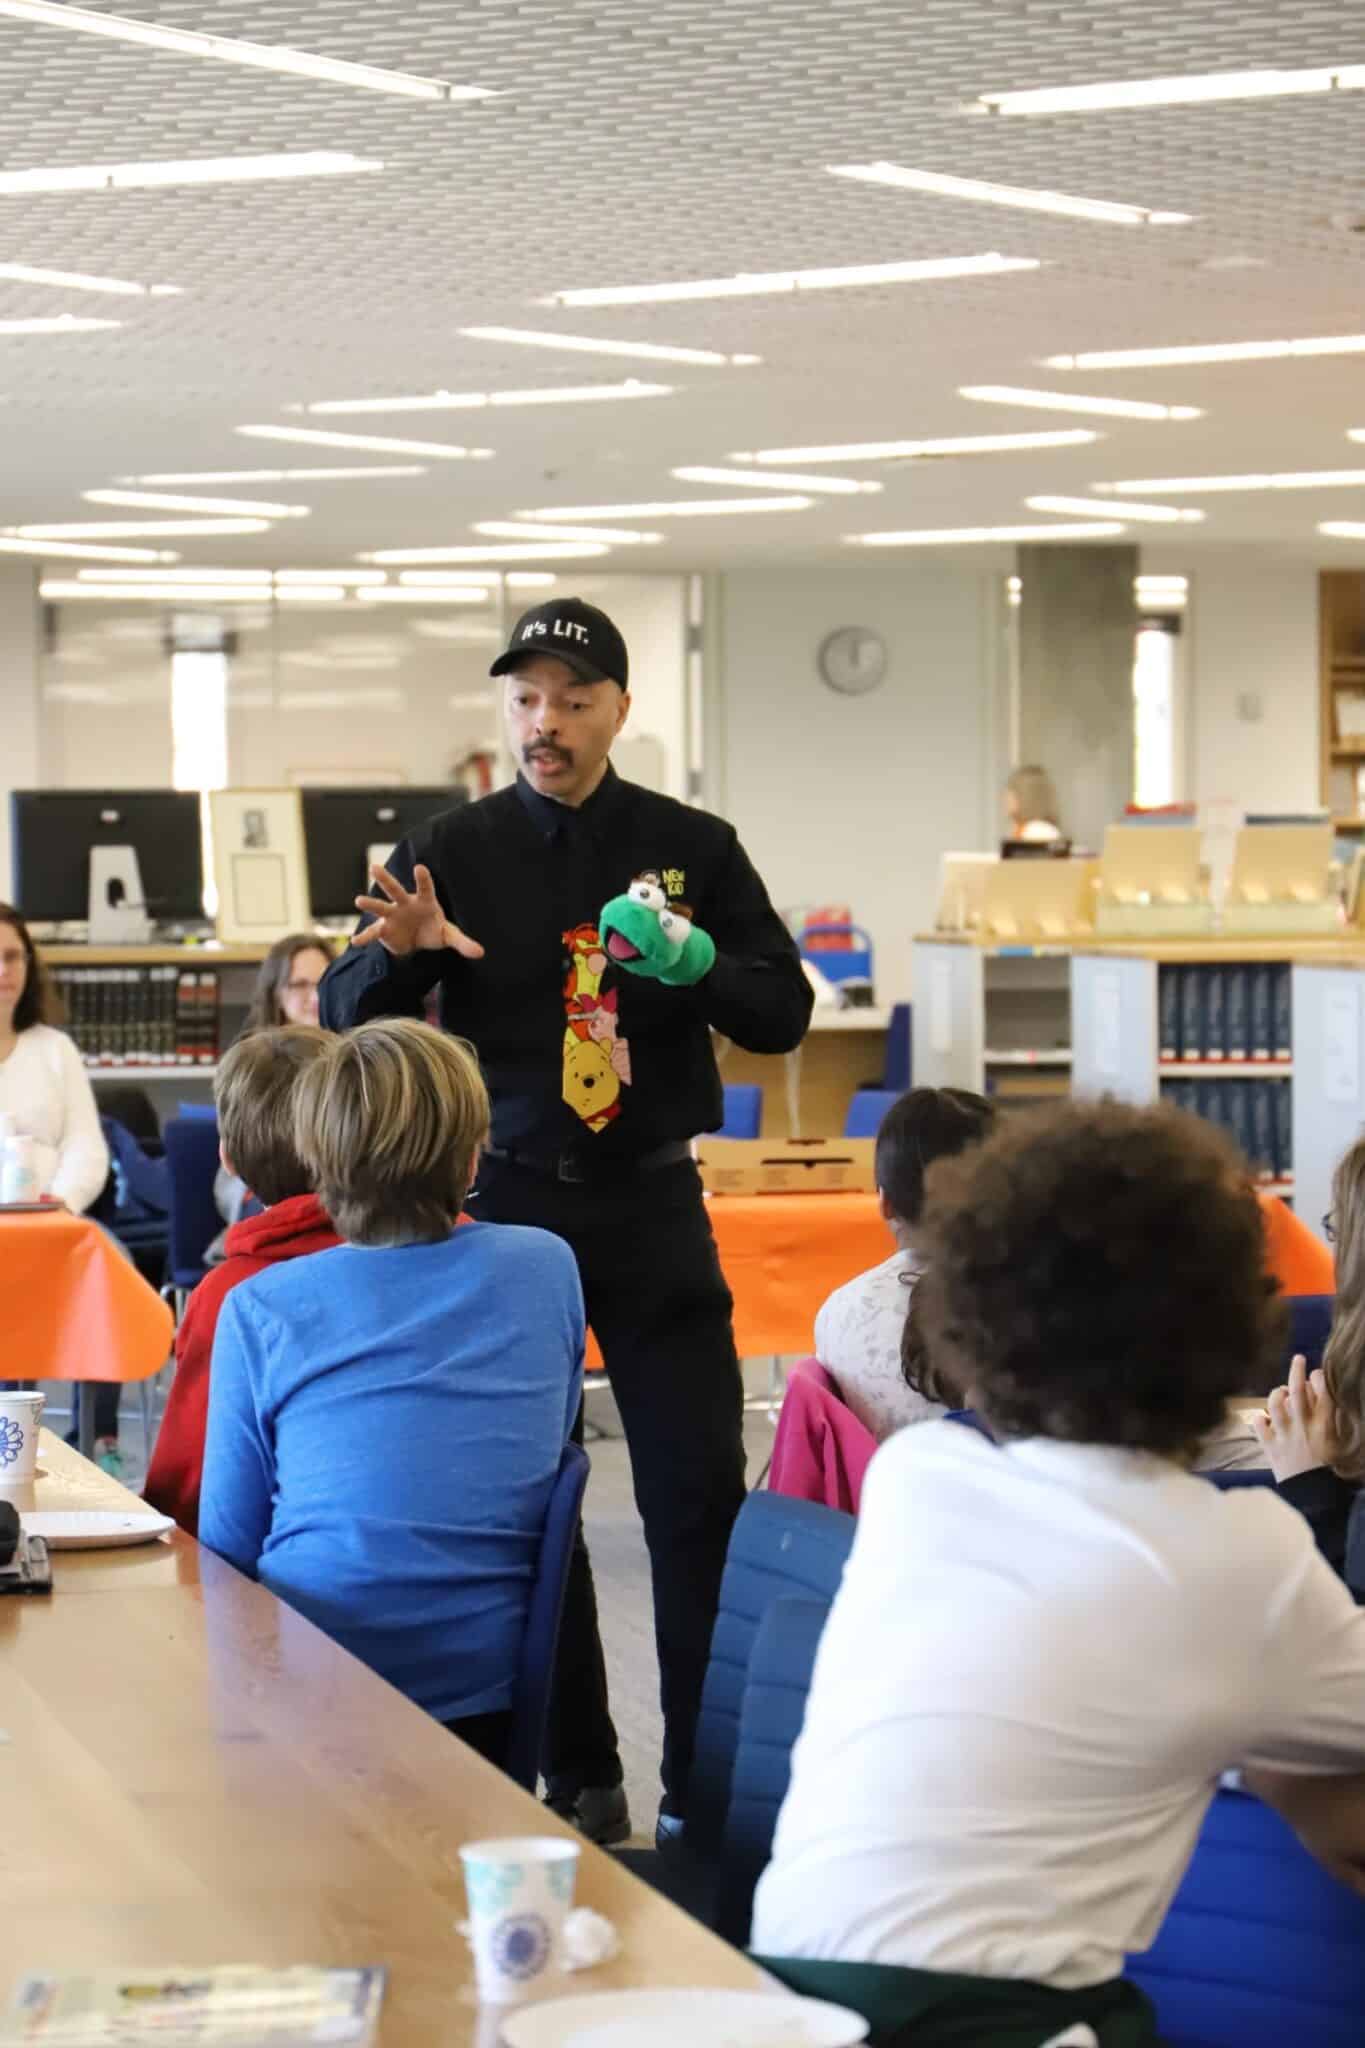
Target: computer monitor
<point x="340" y="826"/>
<point x="54" y="831"/>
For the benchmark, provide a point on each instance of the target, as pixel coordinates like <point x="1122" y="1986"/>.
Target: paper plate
<point x="685" y="2018"/>
<point x="93" y="1528"/>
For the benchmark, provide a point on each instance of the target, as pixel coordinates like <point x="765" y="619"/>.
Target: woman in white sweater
<point x="44" y="1088"/>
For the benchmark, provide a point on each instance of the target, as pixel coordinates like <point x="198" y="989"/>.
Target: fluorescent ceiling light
<point x="196" y="593"/>
<point x="1171" y="92"/>
<point x="1283" y="480"/>
<point x="1021" y="196"/>
<point x="202" y="170"/>
<point x="525" y="529"/>
<point x="1067" y="401"/>
<point x="1152" y="515"/>
<point x="487" y="579"/>
<point x="474" y="401"/>
<point x="10" y="545"/>
<point x="677" y="508"/>
<point x="116" y="529"/>
<point x="76" y="281"/>
<point x="168" y="501"/>
<point x="357" y="577"/>
<point x="897" y="451"/>
<point x="189" y="42"/>
<point x="964" y="536"/>
<point x="778" y="480"/>
<point x="258" y="578"/>
<point x="446" y="593"/>
<point x="275" y="476"/>
<point x="1342" y="529"/>
<point x="1210" y="352"/>
<point x="589" y="345"/>
<point x="1355" y="433"/>
<point x="553" y="551"/>
<point x="443" y="451"/>
<point x="761" y="284"/>
<point x="56" y="323"/>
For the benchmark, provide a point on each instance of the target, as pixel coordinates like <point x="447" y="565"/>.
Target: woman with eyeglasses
<point x="286" y="992"/>
<point x="1313" y="1429"/>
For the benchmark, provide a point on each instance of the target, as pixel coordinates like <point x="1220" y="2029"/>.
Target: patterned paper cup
<point x="19" y="1418"/>
<point x="520" y="1890"/>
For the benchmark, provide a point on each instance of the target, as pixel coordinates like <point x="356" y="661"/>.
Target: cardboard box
<point x="786" y="1166"/>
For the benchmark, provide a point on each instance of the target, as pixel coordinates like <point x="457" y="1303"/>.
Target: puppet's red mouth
<point x="620" y="948"/>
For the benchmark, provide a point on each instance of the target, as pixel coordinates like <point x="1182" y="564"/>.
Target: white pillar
<point x="20" y="641"/>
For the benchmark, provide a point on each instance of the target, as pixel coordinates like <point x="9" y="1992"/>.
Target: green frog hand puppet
<point x="646" y="935"/>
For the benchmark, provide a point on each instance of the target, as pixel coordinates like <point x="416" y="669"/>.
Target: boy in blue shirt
<point x="386" y="1419"/>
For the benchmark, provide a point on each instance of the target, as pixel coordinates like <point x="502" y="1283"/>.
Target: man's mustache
<point x="542" y="751"/>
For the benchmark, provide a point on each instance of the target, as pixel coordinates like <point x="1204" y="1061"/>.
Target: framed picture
<point x="259" y="864"/>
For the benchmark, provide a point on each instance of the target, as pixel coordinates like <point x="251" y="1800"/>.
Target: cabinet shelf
<point x="1225" y="1070"/>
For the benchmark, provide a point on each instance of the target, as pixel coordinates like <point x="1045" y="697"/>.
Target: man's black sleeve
<point x="1335" y="1511"/>
<point x="757" y="993"/>
<point x="369" y="982"/>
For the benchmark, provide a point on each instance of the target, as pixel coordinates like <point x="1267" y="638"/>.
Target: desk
<point x="806" y="1093"/>
<point x="75" y="1308"/>
<point x="194" y="1774"/>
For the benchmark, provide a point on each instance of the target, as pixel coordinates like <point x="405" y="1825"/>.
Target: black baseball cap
<point x="571" y="631"/>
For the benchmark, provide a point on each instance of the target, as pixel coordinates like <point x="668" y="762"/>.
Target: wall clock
<point x="852" y="660"/>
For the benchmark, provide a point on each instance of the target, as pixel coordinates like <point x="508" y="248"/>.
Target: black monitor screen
<point x="341" y="825"/>
<point x="53" y="830"/>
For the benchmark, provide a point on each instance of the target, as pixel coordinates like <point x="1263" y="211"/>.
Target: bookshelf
<point x="1341" y="641"/>
<point x="153" y="1015"/>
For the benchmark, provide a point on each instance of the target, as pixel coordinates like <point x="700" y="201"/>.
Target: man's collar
<point x="551" y="818"/>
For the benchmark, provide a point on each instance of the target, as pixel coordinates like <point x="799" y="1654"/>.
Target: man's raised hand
<point x="411" y="920"/>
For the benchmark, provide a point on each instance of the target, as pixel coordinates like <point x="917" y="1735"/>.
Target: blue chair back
<point x="743" y="1113"/>
<point x="192" y="1156"/>
<point x="771" y="1714"/>
<point x="1310" y="1325"/>
<point x="1260" y="1948"/>
<point x="778" y="1546"/>
<point x="900" y="1049"/>
<point x="866" y="1110"/>
<point x="531" y="1694"/>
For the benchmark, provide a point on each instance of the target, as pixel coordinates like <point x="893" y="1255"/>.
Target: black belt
<point x="580" y="1166"/>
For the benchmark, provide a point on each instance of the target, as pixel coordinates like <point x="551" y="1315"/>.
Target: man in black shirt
<point x="600" y="1075"/>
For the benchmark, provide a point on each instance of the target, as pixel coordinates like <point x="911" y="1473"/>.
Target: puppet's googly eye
<point x="672" y="926"/>
<point x="650" y="894"/>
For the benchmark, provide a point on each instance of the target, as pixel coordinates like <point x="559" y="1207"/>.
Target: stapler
<point x="25" y="1566"/>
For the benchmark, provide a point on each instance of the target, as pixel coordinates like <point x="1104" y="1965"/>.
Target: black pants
<point x="661" y="1310"/>
<point x="489" y="1734"/>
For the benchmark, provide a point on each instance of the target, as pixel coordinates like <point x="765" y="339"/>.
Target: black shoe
<point x="670" y="1832"/>
<point x="598" y="1811"/>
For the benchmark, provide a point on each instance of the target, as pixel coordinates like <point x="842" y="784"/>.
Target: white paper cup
<point x="520" y="1890"/>
<point x="20" y="1415"/>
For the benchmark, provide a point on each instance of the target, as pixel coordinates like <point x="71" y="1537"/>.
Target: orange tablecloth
<point x="73" y="1307"/>
<point x="1299" y="1260"/>
<point x="782" y="1255"/>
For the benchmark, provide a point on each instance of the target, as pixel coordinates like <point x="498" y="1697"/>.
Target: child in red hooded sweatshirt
<point x="254" y="1092"/>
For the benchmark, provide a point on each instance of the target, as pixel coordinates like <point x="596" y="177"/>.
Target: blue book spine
<point x="1215" y="1013"/>
<point x="1282" y="1016"/>
<point x="1262" y="1023"/>
<point x="1168" y="1013"/>
<point x="1237" y="1012"/>
<point x="1210" y="1102"/>
<point x="1192" y="1014"/>
<point x="1262" y="1134"/>
<point x="1178" y="1095"/>
<point x="1284" y="1131"/>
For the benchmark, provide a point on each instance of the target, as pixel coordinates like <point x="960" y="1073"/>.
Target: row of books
<point x="132" y="1017"/>
<point x="1257" y="1115"/>
<point x="1225" y="1013"/>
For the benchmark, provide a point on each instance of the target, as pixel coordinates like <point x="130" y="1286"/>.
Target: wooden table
<point x="194" y="1774"/>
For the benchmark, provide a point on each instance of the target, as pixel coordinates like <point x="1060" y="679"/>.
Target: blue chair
<point x="531" y="1696"/>
<point x="1260" y="1948"/>
<point x="778" y="1547"/>
<point x="773" y="1709"/>
<point x="900" y="1049"/>
<point x="866" y="1110"/>
<point x="743" y="1113"/>
<point x="192" y="1155"/>
<point x="1310" y="1325"/>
